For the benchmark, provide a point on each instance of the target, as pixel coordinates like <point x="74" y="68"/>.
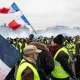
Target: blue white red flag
<point x="9" y="56"/>
<point x="18" y="22"/>
<point x="12" y="9"/>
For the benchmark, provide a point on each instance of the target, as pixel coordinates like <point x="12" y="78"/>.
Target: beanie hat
<point x="58" y="39"/>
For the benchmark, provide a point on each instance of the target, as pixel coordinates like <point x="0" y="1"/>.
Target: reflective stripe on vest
<point x="58" y="71"/>
<point x="22" y="67"/>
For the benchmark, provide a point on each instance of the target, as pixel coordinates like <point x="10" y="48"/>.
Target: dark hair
<point x="31" y="36"/>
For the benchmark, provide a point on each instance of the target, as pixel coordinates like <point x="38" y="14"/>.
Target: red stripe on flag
<point x="13" y="25"/>
<point x="4" y="10"/>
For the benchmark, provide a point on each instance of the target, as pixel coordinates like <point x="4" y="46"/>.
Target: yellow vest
<point x="26" y="44"/>
<point x="20" y="44"/>
<point x="65" y="42"/>
<point x="22" y="67"/>
<point x="71" y="48"/>
<point x="58" y="71"/>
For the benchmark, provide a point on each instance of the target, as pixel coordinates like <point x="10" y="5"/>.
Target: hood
<point x="39" y="45"/>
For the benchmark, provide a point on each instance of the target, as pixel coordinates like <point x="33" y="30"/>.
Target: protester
<point x="30" y="39"/>
<point x="61" y="57"/>
<point x="27" y="68"/>
<point x="77" y="57"/>
<point x="62" y="69"/>
<point x="45" y="60"/>
<point x="49" y="44"/>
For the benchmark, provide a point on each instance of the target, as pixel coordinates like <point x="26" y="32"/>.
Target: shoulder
<point x="62" y="54"/>
<point x="27" y="71"/>
<point x="27" y="74"/>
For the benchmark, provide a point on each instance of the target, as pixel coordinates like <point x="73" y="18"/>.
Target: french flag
<point x="12" y="9"/>
<point x="9" y="56"/>
<point x="15" y="24"/>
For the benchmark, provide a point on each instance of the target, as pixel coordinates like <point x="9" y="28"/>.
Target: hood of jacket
<point x="39" y="45"/>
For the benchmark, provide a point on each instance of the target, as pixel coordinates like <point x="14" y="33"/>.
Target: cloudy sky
<point x="45" y="13"/>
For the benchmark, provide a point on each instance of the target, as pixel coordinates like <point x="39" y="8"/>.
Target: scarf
<point x="54" y="50"/>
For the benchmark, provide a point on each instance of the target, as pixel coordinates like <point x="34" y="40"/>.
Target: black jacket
<point x="62" y="57"/>
<point x="45" y="59"/>
<point x="46" y="62"/>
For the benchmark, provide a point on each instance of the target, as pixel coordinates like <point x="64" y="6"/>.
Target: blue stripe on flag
<point x="8" y="54"/>
<point x="25" y="20"/>
<point x="15" y="7"/>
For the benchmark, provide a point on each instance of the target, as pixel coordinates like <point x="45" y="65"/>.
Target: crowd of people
<point x="55" y="58"/>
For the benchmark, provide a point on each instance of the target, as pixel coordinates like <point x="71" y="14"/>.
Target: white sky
<point x="45" y="13"/>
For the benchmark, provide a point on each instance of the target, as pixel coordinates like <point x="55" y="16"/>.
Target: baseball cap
<point x="31" y="49"/>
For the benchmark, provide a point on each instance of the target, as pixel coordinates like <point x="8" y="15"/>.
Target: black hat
<point x="58" y="39"/>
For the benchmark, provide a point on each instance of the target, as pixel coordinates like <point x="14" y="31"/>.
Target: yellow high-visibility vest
<point x="23" y="65"/>
<point x="20" y="44"/>
<point x="71" y="48"/>
<point x="26" y="44"/>
<point x="58" y="71"/>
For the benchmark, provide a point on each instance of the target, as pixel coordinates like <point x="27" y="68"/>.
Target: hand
<point x="75" y="59"/>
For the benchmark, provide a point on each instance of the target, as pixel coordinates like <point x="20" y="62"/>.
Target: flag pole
<point x="33" y="29"/>
<point x="30" y="24"/>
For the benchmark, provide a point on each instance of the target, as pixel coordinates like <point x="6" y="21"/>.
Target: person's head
<point x="58" y="40"/>
<point x="31" y="36"/>
<point x="77" y="38"/>
<point x="21" y="40"/>
<point x="70" y="40"/>
<point x="52" y="43"/>
<point x="31" y="51"/>
<point x="38" y="38"/>
<point x="11" y="41"/>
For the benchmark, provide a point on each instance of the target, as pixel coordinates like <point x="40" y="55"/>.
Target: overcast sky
<point x="45" y="13"/>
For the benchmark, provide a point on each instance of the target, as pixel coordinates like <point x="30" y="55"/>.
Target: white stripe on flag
<point x="20" y="21"/>
<point x="11" y="10"/>
<point x="4" y="68"/>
